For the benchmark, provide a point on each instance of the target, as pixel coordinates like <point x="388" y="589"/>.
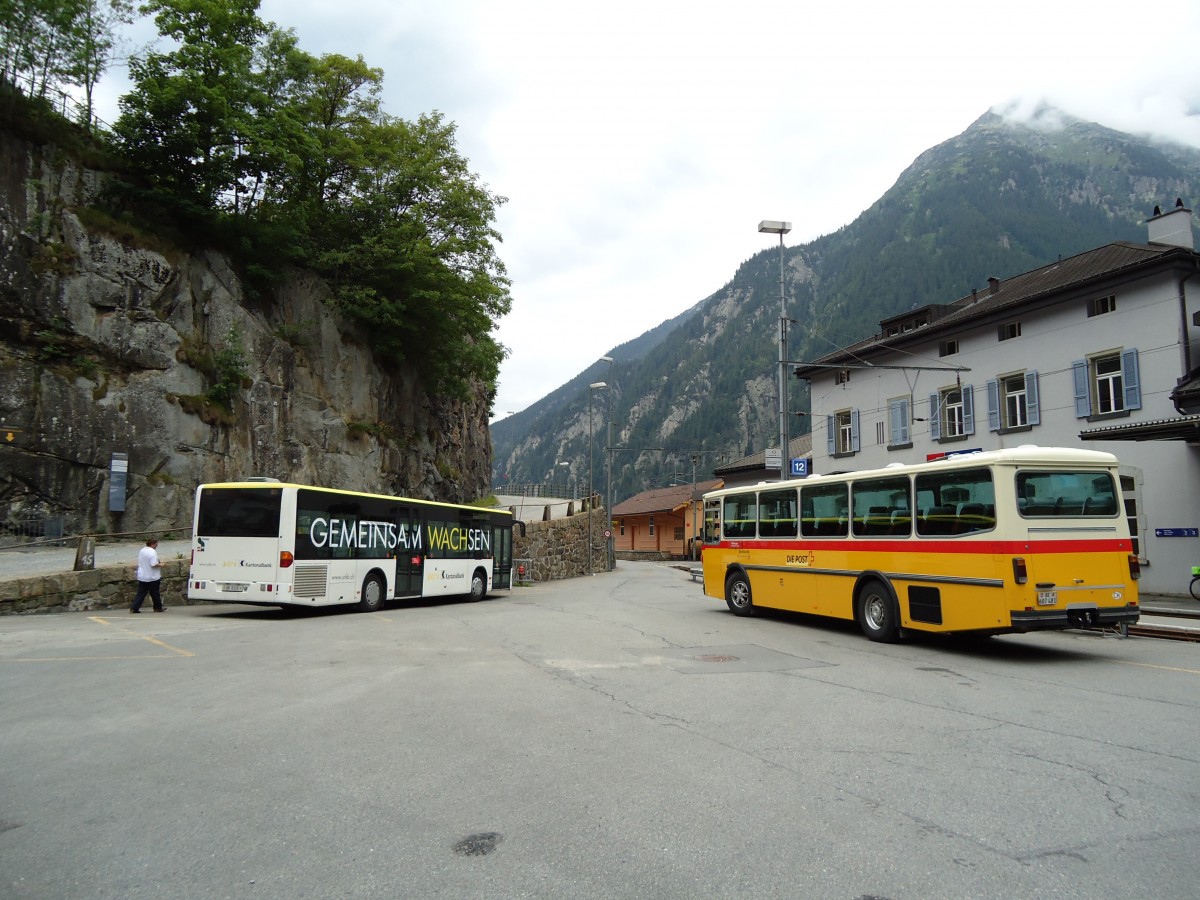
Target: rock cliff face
<point x="107" y="347"/>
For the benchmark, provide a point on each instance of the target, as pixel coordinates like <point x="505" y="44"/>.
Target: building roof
<point x="663" y="499"/>
<point x="1101" y="266"/>
<point x="1181" y="428"/>
<point x="797" y="447"/>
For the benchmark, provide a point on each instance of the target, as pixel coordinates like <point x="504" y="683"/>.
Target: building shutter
<point x="1129" y="378"/>
<point x="935" y="418"/>
<point x="854" y="430"/>
<point x="1083" y="397"/>
<point x="993" y="391"/>
<point x="899" y="422"/>
<point x="830" y="435"/>
<point x="968" y="393"/>
<point x="1031" y="398"/>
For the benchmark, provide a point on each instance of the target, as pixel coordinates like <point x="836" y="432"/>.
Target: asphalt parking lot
<point x="613" y="736"/>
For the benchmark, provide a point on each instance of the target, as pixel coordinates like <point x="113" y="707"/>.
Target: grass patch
<point x="207" y="410"/>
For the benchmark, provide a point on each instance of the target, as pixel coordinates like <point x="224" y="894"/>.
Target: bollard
<point x="85" y="553"/>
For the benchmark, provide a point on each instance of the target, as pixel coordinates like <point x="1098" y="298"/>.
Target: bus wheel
<point x="372" y="594"/>
<point x="737" y="594"/>
<point x="877" y="612"/>
<point x="478" y="585"/>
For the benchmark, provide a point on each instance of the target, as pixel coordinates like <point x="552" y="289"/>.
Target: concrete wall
<point x="111" y="587"/>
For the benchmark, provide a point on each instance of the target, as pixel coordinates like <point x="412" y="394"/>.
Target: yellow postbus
<point x="991" y="542"/>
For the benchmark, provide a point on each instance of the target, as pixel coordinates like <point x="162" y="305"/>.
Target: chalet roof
<point x="663" y="499"/>
<point x="1093" y="269"/>
<point x="797" y="447"/>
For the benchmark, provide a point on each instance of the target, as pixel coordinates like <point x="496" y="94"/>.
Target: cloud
<point x="639" y="144"/>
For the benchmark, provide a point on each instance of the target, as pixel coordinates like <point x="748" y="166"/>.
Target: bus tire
<point x="877" y="614"/>
<point x="371" y="599"/>
<point x="478" y="585"/>
<point x="737" y="594"/>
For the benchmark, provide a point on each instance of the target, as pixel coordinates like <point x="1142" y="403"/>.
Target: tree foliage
<point x="292" y="155"/>
<point x="52" y="45"/>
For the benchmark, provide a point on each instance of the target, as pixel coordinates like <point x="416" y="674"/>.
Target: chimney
<point x="993" y="284"/>
<point x="1173" y="228"/>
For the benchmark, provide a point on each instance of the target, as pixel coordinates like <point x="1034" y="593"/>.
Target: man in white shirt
<point x="149" y="578"/>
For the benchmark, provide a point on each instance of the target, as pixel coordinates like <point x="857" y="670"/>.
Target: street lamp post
<point x="594" y="386"/>
<point x="768" y="226"/>
<point x="608" y="522"/>
<point x="695" y="458"/>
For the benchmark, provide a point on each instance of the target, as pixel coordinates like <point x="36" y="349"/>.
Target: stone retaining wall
<point x="559" y="548"/>
<point x="110" y="587"/>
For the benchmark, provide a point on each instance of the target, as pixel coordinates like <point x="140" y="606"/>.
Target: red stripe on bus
<point x="912" y="545"/>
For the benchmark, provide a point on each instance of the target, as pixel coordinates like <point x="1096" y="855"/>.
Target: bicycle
<point x="1194" y="587"/>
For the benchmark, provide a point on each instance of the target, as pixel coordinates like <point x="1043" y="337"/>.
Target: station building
<point x="1099" y="350"/>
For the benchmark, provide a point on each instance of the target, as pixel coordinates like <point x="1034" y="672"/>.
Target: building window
<point x="952" y="406"/>
<point x="899" y="422"/>
<point x="843" y="376"/>
<point x="1013" y="402"/>
<point x="1010" y="330"/>
<point x="845" y="432"/>
<point x="1110" y="393"/>
<point x="621" y="523"/>
<point x="1102" y="305"/>
<point x="1107" y="384"/>
<point x="879" y="435"/>
<point x="947" y="348"/>
<point x="952" y="413"/>
<point x="841" y="433"/>
<point x="652" y="526"/>
<point x="679" y="535"/>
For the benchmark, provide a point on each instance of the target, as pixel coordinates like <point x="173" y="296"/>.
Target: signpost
<point x="117" y="479"/>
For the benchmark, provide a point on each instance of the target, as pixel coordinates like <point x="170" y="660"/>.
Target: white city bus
<point x="274" y="544"/>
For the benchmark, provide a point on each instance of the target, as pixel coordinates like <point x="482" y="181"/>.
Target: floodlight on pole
<point x="608" y="541"/>
<point x="770" y="226"/>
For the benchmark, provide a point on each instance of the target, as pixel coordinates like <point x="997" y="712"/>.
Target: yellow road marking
<point x="144" y="637"/>
<point x="1164" y="668"/>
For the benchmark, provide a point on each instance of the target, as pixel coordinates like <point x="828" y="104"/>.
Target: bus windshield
<point x="234" y="512"/>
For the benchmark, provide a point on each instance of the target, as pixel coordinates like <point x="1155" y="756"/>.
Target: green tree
<point x="49" y="45"/>
<point x="191" y="113"/>
<point x="94" y="44"/>
<point x="343" y="108"/>
<point x="291" y="156"/>
<point x="414" y="254"/>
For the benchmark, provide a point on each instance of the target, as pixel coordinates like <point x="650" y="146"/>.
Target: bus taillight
<point x="285" y="559"/>
<point x="1135" y="567"/>
<point x="1020" y="573"/>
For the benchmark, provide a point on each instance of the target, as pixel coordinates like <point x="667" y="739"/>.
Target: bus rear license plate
<point x="1047" y="598"/>
<point x="242" y="587"/>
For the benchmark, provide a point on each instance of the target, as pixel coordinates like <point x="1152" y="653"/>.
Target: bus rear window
<point x="239" y="512"/>
<point x="1066" y="494"/>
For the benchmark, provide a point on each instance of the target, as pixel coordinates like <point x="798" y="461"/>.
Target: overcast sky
<point x="640" y="142"/>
